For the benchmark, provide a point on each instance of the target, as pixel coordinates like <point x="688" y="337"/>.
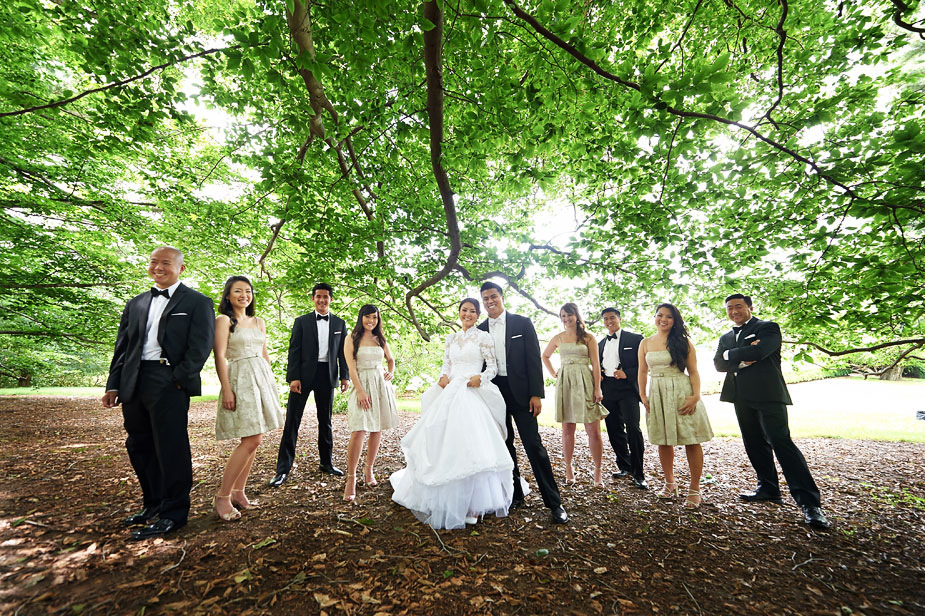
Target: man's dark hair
<point x="745" y="298"/>
<point x="323" y="286"/>
<point x="491" y="285"/>
<point x="610" y="309"/>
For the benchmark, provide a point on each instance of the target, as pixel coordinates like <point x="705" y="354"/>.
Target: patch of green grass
<point x="75" y="392"/>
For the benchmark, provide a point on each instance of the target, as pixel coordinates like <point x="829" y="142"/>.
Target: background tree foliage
<point x="406" y="152"/>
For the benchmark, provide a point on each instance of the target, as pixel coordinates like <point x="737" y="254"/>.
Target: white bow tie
<point x="495" y="321"/>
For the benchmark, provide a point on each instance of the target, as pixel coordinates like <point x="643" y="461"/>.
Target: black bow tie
<point x="322" y="317"/>
<point x="736" y="329"/>
<point x="165" y="293"/>
<point x="612" y="336"/>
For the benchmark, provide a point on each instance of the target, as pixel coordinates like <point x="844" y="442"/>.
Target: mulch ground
<point x="66" y="485"/>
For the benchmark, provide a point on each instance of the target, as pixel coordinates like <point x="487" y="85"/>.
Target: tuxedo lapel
<point x="333" y="327"/>
<point x="141" y="315"/>
<point x="747" y="329"/>
<point x="171" y="304"/>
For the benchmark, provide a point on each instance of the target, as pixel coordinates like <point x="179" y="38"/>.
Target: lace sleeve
<point x="447" y="362"/>
<point x="487" y="346"/>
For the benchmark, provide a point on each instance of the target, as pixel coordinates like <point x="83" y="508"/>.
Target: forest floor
<point x="66" y="485"/>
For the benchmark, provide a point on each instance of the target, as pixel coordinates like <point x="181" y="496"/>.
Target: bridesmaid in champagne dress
<point x="578" y="389"/>
<point x="249" y="402"/>
<point x="675" y="414"/>
<point x="371" y="407"/>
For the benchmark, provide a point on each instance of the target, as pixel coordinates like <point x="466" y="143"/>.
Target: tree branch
<point x="116" y="84"/>
<point x="784" y="8"/>
<point x="688" y="114"/>
<point x="433" y="49"/>
<point x="876" y="347"/>
<point x="902" y="7"/>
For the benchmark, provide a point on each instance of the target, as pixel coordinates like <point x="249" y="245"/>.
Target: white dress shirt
<point x="152" y="351"/>
<point x="498" y="329"/>
<point x="324" y="335"/>
<point x="611" y="361"/>
<point x="742" y="364"/>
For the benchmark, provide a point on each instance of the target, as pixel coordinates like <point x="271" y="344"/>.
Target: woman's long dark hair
<point x="572" y="309"/>
<point x="357" y="332"/>
<point x="224" y="306"/>
<point x="678" y="345"/>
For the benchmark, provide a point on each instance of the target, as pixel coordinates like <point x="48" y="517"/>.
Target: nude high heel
<point x="234" y="514"/>
<point x="240" y="501"/>
<point x="693" y="500"/>
<point x="669" y="491"/>
<point x="350" y="489"/>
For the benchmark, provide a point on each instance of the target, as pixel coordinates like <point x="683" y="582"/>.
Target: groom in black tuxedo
<point x="619" y="355"/>
<point x="750" y="357"/>
<point x="316" y="358"/>
<point x="520" y="379"/>
<point x="164" y="338"/>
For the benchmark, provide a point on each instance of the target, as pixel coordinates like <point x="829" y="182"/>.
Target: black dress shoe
<point x="640" y="482"/>
<point x="279" y="480"/>
<point x="620" y="474"/>
<point x="142" y="517"/>
<point x="330" y="469"/>
<point x="159" y="528"/>
<point x="760" y="497"/>
<point x="815" y="518"/>
<point x="559" y="516"/>
<point x="517" y="502"/>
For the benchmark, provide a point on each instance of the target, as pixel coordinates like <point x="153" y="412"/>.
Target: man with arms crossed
<point x="750" y="357"/>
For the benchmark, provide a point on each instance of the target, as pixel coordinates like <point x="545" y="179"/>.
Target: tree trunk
<point x="893" y="374"/>
<point x="24" y="381"/>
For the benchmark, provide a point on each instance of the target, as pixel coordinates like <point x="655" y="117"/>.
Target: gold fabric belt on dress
<point x="572" y="361"/>
<point x="231" y="361"/>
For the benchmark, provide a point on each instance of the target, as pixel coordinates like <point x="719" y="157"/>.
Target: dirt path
<point x="65" y="486"/>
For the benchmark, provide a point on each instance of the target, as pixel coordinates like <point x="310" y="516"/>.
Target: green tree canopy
<point x="406" y="152"/>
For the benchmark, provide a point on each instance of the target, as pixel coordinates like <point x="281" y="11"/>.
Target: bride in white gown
<point x="458" y="467"/>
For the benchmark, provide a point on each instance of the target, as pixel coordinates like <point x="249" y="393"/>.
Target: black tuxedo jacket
<point x="522" y="357"/>
<point x="762" y="381"/>
<point x="303" y="350"/>
<point x="629" y="358"/>
<point x="186" y="333"/>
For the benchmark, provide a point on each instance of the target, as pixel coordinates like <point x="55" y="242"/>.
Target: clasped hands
<point x="474" y="381"/>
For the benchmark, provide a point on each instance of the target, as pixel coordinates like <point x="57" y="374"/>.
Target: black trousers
<point x="529" y="432"/>
<point x="324" y="400"/>
<point x="623" y="428"/>
<point x="158" y="442"/>
<point x="766" y="433"/>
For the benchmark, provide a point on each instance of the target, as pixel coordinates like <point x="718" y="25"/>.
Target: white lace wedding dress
<point x="457" y="463"/>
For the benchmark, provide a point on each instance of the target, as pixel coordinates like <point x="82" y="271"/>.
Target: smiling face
<point x="370" y="321"/>
<point x="611" y="322"/>
<point x="494" y="302"/>
<point x="468" y="315"/>
<point x="568" y="319"/>
<point x="738" y="311"/>
<point x="241" y="295"/>
<point x="664" y="320"/>
<point x="322" y="301"/>
<point x="165" y="267"/>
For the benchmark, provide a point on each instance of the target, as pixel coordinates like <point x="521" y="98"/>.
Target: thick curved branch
<point x="784" y="9"/>
<point x="433" y="50"/>
<point x="580" y="57"/>
<point x="116" y="84"/>
<point x="902" y="7"/>
<point x="876" y="347"/>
